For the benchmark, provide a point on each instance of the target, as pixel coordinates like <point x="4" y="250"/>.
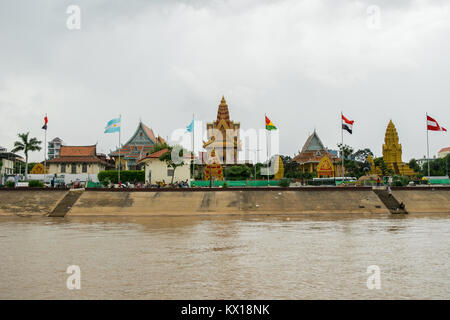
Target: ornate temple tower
<point x="223" y="136"/>
<point x="392" y="152"/>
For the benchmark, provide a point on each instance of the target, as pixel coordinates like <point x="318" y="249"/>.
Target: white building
<point x="54" y="148"/>
<point x="157" y="170"/>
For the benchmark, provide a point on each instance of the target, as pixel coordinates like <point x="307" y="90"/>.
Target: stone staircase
<point x="389" y="201"/>
<point x="66" y="203"/>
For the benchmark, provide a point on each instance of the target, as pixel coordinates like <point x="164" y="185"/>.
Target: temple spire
<point x="222" y="112"/>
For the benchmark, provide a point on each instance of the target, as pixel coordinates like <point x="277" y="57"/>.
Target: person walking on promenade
<point x="378" y="181"/>
<point x="389" y="191"/>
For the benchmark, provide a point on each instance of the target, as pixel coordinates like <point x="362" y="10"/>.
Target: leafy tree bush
<point x="106" y="182"/>
<point x="10" y="184"/>
<point x="35" y="184"/>
<point x="285" y="182"/>
<point x="399" y="181"/>
<point x="125" y="176"/>
<point x="235" y="173"/>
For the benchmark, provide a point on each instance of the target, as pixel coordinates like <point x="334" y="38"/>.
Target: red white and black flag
<point x="45" y="123"/>
<point x="432" y="125"/>
<point x="347" y="124"/>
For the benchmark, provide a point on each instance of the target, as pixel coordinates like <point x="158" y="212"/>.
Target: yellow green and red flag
<point x="269" y="124"/>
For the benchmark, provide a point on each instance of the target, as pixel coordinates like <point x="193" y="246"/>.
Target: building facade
<point x="157" y="171"/>
<point x="78" y="160"/>
<point x="8" y="159"/>
<point x="141" y="143"/>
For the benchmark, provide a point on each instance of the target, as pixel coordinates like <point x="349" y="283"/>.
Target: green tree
<point x="438" y="167"/>
<point x="173" y="158"/>
<point x="241" y="172"/>
<point x="345" y="150"/>
<point x="413" y="164"/>
<point x="379" y="162"/>
<point x="291" y="167"/>
<point x="26" y="144"/>
<point x="362" y="154"/>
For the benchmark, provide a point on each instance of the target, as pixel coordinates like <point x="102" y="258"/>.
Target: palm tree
<point x="26" y="144"/>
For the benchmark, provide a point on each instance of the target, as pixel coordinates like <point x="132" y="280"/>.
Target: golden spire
<point x="222" y="112"/>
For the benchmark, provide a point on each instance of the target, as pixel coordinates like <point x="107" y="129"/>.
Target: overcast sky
<point x="300" y="61"/>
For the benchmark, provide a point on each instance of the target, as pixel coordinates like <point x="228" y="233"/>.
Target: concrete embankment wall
<point x="227" y="202"/>
<point x="223" y="201"/>
<point x="29" y="202"/>
<point x="425" y="200"/>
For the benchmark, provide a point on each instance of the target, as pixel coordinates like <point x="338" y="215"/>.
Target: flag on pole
<point x="45" y="123"/>
<point x="113" y="126"/>
<point x="432" y="125"/>
<point x="190" y="127"/>
<point x="347" y="124"/>
<point x="269" y="125"/>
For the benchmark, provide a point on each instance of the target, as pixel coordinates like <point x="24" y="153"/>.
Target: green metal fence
<point x="239" y="183"/>
<point x="440" y="181"/>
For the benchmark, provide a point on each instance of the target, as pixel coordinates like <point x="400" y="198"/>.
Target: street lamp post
<point x="256" y="158"/>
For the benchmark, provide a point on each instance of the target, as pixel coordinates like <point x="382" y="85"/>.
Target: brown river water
<point x="227" y="257"/>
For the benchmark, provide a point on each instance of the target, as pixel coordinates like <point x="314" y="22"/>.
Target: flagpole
<point x="193" y="147"/>
<point x="428" y="150"/>
<point x="267" y="152"/>
<point x="342" y="150"/>
<point x="120" y="129"/>
<point x="45" y="150"/>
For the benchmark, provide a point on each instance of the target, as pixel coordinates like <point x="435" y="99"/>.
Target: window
<point x="84" y="168"/>
<point x="63" y="168"/>
<point x="74" y="168"/>
<point x="170" y="172"/>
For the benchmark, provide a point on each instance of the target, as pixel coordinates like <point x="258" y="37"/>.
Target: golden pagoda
<point x="223" y="136"/>
<point x="392" y="153"/>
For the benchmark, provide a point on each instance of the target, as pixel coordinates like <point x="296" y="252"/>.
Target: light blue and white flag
<point x="113" y="126"/>
<point x="190" y="127"/>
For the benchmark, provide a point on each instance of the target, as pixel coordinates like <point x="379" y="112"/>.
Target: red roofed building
<point x="444" y="152"/>
<point x="138" y="146"/>
<point x="78" y="159"/>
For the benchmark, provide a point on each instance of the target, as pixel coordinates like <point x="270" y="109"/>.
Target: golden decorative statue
<point x="213" y="169"/>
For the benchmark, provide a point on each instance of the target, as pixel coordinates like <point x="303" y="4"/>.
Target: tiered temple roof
<point x="139" y="145"/>
<point x="313" y="151"/>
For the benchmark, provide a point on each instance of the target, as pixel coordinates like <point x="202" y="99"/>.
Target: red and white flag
<point x="432" y="125"/>
<point x="45" y="123"/>
<point x="347" y="124"/>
